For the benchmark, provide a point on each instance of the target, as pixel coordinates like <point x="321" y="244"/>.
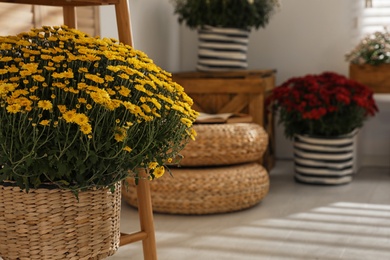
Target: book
<point x="223" y="118"/>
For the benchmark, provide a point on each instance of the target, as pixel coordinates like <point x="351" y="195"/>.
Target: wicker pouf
<point x="225" y="144"/>
<point x="205" y="190"/>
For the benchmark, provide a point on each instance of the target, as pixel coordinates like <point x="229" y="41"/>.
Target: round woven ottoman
<point x="225" y="144"/>
<point x="205" y="190"/>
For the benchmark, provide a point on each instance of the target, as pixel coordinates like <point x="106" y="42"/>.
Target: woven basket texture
<point x="225" y="144"/>
<point x="51" y="224"/>
<point x="205" y="190"/>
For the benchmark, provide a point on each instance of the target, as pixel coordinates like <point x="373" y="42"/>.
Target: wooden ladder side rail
<point x="122" y="19"/>
<point x="145" y="210"/>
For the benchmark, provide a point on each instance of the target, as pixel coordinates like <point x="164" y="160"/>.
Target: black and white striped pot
<point x="222" y="49"/>
<point x="327" y="160"/>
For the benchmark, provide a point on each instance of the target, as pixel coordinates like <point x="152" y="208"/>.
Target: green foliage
<point x="242" y="14"/>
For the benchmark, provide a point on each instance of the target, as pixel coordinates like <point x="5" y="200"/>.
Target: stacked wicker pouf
<point x="220" y="172"/>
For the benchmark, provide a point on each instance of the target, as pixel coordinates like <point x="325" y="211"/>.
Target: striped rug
<point x="222" y="49"/>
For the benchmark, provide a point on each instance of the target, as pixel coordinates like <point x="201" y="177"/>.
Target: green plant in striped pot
<point x="223" y="29"/>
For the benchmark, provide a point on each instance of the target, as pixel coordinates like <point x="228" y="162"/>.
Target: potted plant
<point x="321" y="114"/>
<point x="78" y="115"/>
<point x="370" y="61"/>
<point x="223" y="28"/>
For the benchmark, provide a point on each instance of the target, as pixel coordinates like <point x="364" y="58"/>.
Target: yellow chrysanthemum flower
<point x="120" y="134"/>
<point x="146" y="108"/>
<point x="62" y="108"/>
<point x="44" y="122"/>
<point x="58" y="58"/>
<point x="46" y="57"/>
<point x="192" y="133"/>
<point x="83" y="69"/>
<point x="33" y="89"/>
<point x="24" y="102"/>
<point x="127" y="149"/>
<point x="152" y="165"/>
<point x="14" y="79"/>
<point x="38" y="78"/>
<point x="7" y="87"/>
<point x="13" y="69"/>
<point x="69" y="116"/>
<point x="14" y="108"/>
<point x="100" y="97"/>
<point x="186" y="121"/>
<point x="124" y="91"/>
<point x="5" y="59"/>
<point x="66" y="74"/>
<point x="25" y="73"/>
<point x="45" y="104"/>
<point x="159" y="171"/>
<point x="80" y="119"/>
<point x="82" y="100"/>
<point x="94" y="78"/>
<point x="109" y="78"/>
<point x="86" y="129"/>
<point x="155" y="102"/>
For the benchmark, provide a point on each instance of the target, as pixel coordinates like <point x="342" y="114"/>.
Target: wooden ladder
<point x="146" y="234"/>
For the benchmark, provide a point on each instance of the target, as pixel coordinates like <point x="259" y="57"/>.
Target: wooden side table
<point x="376" y="78"/>
<point x="233" y="92"/>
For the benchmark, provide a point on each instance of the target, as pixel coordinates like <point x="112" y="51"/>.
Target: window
<point x="375" y="18"/>
<point x="17" y="18"/>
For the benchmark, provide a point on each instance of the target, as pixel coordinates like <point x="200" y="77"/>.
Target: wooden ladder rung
<point x="132" y="237"/>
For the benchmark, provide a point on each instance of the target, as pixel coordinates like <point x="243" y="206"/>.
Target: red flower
<point x="343" y="98"/>
<point x="315" y="114"/>
<point x="325" y="104"/>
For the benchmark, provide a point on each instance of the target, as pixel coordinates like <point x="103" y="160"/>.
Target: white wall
<point x="154" y="30"/>
<point x="305" y="36"/>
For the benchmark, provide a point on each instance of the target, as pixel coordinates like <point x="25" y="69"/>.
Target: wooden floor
<point x="295" y="221"/>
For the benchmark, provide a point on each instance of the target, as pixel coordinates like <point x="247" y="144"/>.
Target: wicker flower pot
<point x="324" y="160"/>
<point x="52" y="224"/>
<point x="222" y="49"/>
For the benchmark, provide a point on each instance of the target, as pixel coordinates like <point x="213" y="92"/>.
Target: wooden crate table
<point x="233" y="92"/>
<point x="376" y="78"/>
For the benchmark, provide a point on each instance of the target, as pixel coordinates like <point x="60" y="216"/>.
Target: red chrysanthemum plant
<point x="325" y="105"/>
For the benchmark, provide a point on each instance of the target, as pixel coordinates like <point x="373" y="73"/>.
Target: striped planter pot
<point x="324" y="160"/>
<point x="222" y="49"/>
